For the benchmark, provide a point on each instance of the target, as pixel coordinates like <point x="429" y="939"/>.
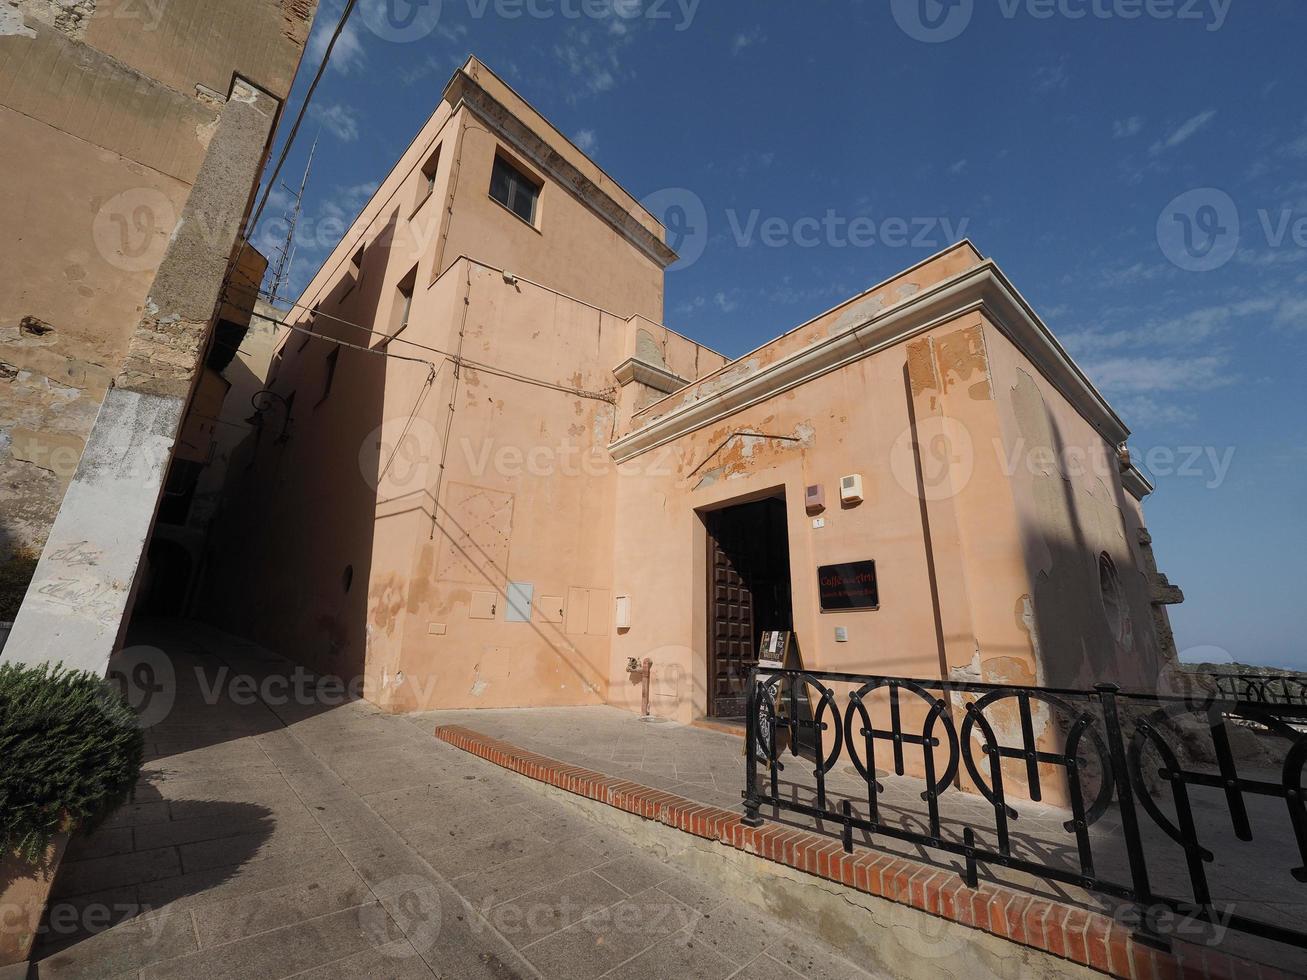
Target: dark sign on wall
<point x="848" y="586"/>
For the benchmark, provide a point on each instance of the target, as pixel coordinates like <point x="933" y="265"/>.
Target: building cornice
<point x="1135" y="483"/>
<point x="982" y="288"/>
<point x="499" y="120"/>
<point x="660" y="379"/>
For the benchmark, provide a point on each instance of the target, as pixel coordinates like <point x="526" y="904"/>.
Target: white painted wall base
<point x="76" y="607"/>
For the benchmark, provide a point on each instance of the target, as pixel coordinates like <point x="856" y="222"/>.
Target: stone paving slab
<point x="332" y="841"/>
<point x="709" y="766"/>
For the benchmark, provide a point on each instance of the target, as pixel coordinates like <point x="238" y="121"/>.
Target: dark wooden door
<point x="749" y="592"/>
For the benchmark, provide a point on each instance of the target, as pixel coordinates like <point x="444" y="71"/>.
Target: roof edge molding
<point x="983" y="288"/>
<point x="658" y="378"/>
<point x="1136" y="484"/>
<point x="464" y="90"/>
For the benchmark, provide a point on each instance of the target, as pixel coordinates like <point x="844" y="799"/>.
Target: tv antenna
<point x="286" y="252"/>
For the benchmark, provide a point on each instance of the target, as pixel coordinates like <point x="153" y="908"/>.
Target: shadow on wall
<point x="1091" y="619"/>
<point x="289" y="561"/>
<point x="315" y="555"/>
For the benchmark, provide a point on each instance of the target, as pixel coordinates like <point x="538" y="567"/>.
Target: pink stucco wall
<point x="536" y="426"/>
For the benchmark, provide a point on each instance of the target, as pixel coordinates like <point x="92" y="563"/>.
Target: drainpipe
<point x="645" y="669"/>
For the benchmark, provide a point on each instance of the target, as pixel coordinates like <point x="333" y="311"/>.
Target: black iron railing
<point x="1139" y="758"/>
<point x="1262" y="688"/>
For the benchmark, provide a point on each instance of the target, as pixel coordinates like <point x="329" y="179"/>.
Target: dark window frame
<point x="406" y="287"/>
<point x="517" y="186"/>
<point x="333" y="361"/>
<point x="430" y="170"/>
<point x="311" y="326"/>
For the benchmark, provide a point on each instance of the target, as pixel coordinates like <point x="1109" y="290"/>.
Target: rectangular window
<point x="311" y="325"/>
<point x="429" y="174"/>
<point x="332" y="358"/>
<point x="356" y="265"/>
<point x="514" y="190"/>
<point x="404" y="301"/>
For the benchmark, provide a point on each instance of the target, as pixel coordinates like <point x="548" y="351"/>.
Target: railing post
<point x="1129" y="818"/>
<point x="752" y="818"/>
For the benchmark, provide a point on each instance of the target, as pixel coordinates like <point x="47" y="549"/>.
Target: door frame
<point x="706" y="590"/>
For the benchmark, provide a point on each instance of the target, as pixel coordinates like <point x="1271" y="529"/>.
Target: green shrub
<point x="70" y="754"/>
<point x="16" y="572"/>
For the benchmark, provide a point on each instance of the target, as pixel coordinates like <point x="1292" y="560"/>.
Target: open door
<point x="748" y="593"/>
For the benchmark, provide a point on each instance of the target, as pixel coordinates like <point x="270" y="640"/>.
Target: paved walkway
<point x="1251" y="879"/>
<point x="271" y="839"/>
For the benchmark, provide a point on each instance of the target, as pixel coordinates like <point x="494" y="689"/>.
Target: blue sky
<point x="1137" y="167"/>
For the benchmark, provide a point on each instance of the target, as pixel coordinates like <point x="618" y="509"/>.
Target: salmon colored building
<point x="489" y="476"/>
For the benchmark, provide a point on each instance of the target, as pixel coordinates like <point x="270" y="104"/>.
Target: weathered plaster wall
<point x="156" y="39"/>
<point x="570" y="249"/>
<point x="504" y="456"/>
<point x="855" y="311"/>
<point x="75" y="609"/>
<point x="1066" y="482"/>
<point x="525" y="488"/>
<point x="108" y="111"/>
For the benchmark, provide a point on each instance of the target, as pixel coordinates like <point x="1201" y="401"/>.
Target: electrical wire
<point x="345" y="343"/>
<point x="451" y="355"/>
<point x="412" y="416"/>
<point x="290" y="139"/>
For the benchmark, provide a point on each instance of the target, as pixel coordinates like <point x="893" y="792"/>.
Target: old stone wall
<point x="109" y="113"/>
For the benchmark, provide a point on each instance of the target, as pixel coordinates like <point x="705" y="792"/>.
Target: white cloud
<point x="747" y="39"/>
<point x="587" y="141"/>
<point x="691" y="306"/>
<point x="1050" y="78"/>
<point x="727" y="304"/>
<point x="1134" y="274"/>
<point x="1140" y="410"/>
<point x="1188" y="330"/>
<point x="344" y="204"/>
<point x="1184" y="132"/>
<point x="1125" y="128"/>
<point x="1297" y="148"/>
<point x="1292" y="314"/>
<point x="339" y="120"/>
<point x="348" y="53"/>
<point x="1142" y="375"/>
<point x="594" y="64"/>
<point x="958" y="168"/>
<point x="592" y="55"/>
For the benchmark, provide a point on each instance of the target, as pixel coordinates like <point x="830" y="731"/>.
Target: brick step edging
<point x="1082" y="936"/>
